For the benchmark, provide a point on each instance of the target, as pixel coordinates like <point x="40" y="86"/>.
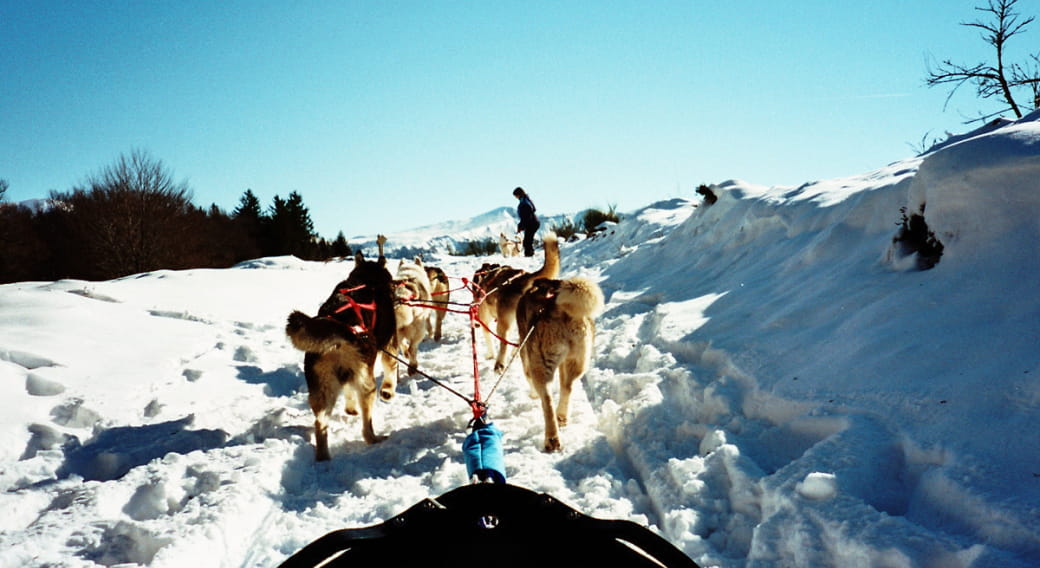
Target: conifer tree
<point x="249" y="219"/>
<point x="248" y="207"/>
<point x="340" y="247"/>
<point x="290" y="228"/>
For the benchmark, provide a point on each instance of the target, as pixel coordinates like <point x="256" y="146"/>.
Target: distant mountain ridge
<point x="448" y="236"/>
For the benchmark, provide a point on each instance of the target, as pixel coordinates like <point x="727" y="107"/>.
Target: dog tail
<point x="579" y="297"/>
<point x="551" y="268"/>
<point x="315" y="335"/>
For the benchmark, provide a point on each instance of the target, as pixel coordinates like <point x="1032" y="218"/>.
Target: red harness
<point x="359" y="328"/>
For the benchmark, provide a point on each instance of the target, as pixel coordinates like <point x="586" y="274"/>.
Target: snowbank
<point x="773" y="385"/>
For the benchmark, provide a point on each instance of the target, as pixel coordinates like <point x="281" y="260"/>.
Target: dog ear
<point x="359" y="257"/>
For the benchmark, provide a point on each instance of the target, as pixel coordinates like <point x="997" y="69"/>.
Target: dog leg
<point x="525" y="362"/>
<point x="413" y="357"/>
<point x="388" y="388"/>
<point x="570" y="371"/>
<point x="367" y="395"/>
<point x="489" y="344"/>
<point x="406" y="353"/>
<point x="322" y="408"/>
<point x="321" y="438"/>
<point x="532" y="391"/>
<point x="540" y="382"/>
<point x="351" y="405"/>
<point x="415" y="338"/>
<point x="575" y="365"/>
<point x="440" y="323"/>
<point x="504" y="323"/>
<point x="323" y="389"/>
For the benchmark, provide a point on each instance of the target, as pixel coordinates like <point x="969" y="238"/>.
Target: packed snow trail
<point x="241" y="381"/>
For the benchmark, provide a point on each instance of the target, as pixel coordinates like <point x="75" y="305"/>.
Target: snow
<point x="818" y="486"/>
<point x="772" y="385"/>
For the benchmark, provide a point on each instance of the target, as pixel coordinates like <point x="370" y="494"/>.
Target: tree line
<point x="132" y="217"/>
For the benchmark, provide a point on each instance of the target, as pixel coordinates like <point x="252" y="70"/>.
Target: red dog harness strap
<point x="357" y="307"/>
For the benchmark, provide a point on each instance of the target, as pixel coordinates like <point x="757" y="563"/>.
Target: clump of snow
<point x="770" y="387"/>
<point x="818" y="486"/>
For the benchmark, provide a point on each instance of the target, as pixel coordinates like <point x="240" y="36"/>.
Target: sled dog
<point x="441" y="297"/>
<point x="498" y="289"/>
<point x="341" y="345"/>
<point x="411" y="287"/>
<point x="558" y="314"/>
<point x="508" y="247"/>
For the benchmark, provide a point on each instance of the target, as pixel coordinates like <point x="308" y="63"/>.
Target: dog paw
<point x="413" y="369"/>
<point x="553" y="445"/>
<point x="499" y="367"/>
<point x="561" y="420"/>
<point x="387" y="394"/>
<point x="375" y="439"/>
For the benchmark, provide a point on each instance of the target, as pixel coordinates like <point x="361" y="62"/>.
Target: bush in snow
<point x="591" y="219"/>
<point x="914" y="236"/>
<point x="565" y="230"/>
<point x="478" y="248"/>
<point x="709" y="195"/>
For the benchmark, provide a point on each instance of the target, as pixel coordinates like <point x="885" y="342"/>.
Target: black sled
<point x="495" y="525"/>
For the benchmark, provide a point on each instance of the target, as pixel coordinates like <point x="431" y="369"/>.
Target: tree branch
<point x="998" y="79"/>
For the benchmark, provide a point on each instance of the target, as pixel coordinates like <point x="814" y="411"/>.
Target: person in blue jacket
<point x="529" y="223"/>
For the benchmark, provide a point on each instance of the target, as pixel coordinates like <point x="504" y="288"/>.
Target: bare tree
<point x="999" y="79"/>
<point x="1030" y="75"/>
<point x="129" y="218"/>
<point x="3" y="188"/>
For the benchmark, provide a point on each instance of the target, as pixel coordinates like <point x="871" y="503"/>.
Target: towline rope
<point x="478" y="406"/>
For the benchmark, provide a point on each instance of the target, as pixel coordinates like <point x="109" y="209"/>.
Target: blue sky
<point x="386" y="115"/>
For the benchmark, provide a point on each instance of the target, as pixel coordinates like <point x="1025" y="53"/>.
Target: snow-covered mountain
<point x="775" y="383"/>
<point x="450" y="236"/>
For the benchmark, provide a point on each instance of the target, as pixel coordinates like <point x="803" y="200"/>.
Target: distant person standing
<point x="528" y="220"/>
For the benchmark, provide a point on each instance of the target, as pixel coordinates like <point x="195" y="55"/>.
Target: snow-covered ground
<point x="773" y="386"/>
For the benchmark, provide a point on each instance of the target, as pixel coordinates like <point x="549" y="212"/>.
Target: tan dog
<point x="508" y="247"/>
<point x="498" y="290"/>
<point x="441" y="291"/>
<point x="412" y="295"/>
<point x="558" y="314"/>
<point x="341" y="346"/>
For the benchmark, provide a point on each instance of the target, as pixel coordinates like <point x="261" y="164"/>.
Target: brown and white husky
<point x="441" y="290"/>
<point x="556" y="317"/>
<point x="354" y="325"/>
<point x="412" y="295"/>
<point x="498" y="289"/>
